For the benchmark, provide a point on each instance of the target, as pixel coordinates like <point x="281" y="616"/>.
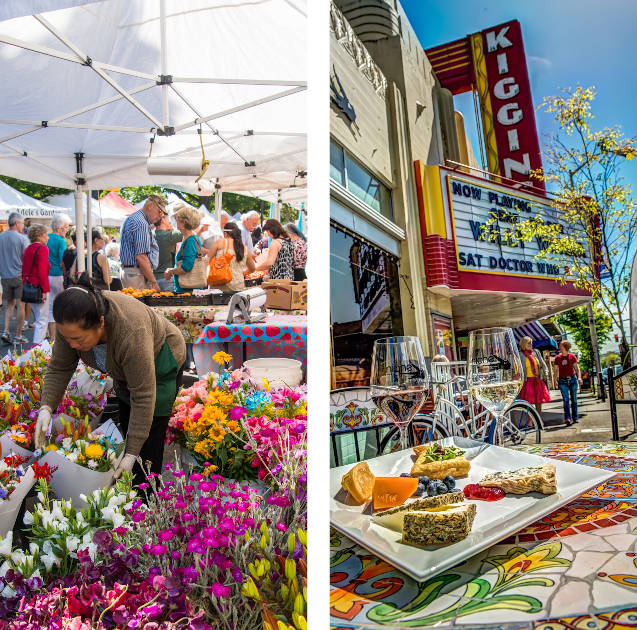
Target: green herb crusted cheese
<point x="441" y="526"/>
<point x="393" y="518"/>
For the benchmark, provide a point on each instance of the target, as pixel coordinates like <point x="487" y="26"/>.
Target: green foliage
<point x="612" y="358"/>
<point x="575" y="322"/>
<point x="592" y="199"/>
<point x="231" y="203"/>
<point x="37" y="191"/>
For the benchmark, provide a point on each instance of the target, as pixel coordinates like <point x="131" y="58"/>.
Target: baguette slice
<point x="456" y="467"/>
<point x="523" y="480"/>
<point x="439" y="525"/>
<point x="359" y="482"/>
<point x="393" y="519"/>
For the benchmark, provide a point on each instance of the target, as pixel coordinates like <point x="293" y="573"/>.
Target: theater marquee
<point x="478" y="210"/>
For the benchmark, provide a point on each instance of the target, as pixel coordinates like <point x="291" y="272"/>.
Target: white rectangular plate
<point x="494" y="520"/>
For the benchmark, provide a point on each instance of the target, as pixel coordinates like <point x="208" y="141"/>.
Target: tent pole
<point x="218" y="205"/>
<point x="277" y="207"/>
<point x="164" y="61"/>
<point x="79" y="230"/>
<point x="89" y="235"/>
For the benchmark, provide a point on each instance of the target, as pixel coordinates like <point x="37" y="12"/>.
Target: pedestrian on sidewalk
<point x="567" y="376"/>
<point x="35" y="269"/>
<point x="534" y="389"/>
<point x="13" y="244"/>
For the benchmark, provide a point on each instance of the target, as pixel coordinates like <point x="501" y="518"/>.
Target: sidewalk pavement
<point x="594" y="421"/>
<point x="27" y="334"/>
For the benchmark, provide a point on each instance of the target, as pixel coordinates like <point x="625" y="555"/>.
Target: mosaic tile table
<point x="574" y="569"/>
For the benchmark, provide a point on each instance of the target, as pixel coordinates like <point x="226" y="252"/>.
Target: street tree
<point x="595" y="214"/>
<point x="575" y="322"/>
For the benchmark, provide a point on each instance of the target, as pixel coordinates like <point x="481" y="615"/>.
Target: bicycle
<point x="457" y="414"/>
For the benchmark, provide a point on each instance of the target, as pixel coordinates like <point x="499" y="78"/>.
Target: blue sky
<point x="567" y="43"/>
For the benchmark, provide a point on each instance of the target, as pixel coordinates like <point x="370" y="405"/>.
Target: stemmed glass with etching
<point x="399" y="381"/>
<point x="494" y="372"/>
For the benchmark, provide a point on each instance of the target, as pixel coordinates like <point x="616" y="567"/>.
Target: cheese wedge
<point x="359" y="482"/>
<point x="390" y="492"/>
<point x="523" y="480"/>
<point x="456" y="467"/>
<point x="438" y="525"/>
<point x="393" y="519"/>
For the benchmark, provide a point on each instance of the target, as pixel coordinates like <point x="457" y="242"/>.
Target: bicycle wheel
<point x="521" y="424"/>
<point x="421" y="432"/>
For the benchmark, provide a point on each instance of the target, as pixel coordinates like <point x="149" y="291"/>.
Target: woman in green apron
<point x="140" y="349"/>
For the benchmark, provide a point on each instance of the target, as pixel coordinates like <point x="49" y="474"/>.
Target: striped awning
<point x="541" y="338"/>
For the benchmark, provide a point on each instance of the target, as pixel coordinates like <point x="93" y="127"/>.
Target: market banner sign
<point x="478" y="209"/>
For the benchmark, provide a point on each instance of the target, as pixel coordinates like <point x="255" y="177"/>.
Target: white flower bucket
<point x="9" y="447"/>
<point x="70" y="479"/>
<point x="278" y="372"/>
<point x="9" y="509"/>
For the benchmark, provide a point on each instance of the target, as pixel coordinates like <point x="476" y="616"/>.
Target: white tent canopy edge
<point x="177" y="118"/>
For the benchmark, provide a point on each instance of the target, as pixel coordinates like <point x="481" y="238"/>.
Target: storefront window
<point x="365" y="304"/>
<point x="348" y="173"/>
<point x="368" y="189"/>
<point x="337" y="164"/>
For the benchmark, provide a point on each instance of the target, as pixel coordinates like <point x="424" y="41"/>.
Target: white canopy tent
<point x="101" y="214"/>
<point x="88" y="90"/>
<point x="12" y="200"/>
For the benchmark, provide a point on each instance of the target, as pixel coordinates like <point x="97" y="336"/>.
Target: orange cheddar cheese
<point x="391" y="492"/>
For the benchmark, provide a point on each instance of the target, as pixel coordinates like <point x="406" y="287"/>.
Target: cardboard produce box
<point x="286" y="295"/>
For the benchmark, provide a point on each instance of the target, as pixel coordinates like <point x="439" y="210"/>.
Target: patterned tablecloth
<point x="277" y="336"/>
<point x="573" y="569"/>
<point x="192" y="320"/>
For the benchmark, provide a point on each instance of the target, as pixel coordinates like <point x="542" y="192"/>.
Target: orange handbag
<point x="219" y="271"/>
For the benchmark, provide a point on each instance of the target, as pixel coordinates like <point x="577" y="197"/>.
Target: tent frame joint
<point x="166" y="131"/>
<point x="250" y="164"/>
<point x="81" y="181"/>
<point x="165" y="79"/>
<point x="250" y="132"/>
<point x="88" y="62"/>
<point x="45" y="123"/>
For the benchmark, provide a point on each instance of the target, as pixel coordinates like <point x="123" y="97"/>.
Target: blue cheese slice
<point x="438" y="525"/>
<point x="393" y="518"/>
<point x="523" y="480"/>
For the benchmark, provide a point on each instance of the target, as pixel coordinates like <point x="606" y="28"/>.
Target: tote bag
<point x="196" y="277"/>
<point x="30" y="292"/>
<point x="219" y="271"/>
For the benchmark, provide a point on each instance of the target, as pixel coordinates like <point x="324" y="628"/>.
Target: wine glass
<point x="399" y="380"/>
<point x="494" y="373"/>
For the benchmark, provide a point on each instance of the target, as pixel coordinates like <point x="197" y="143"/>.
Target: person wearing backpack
<point x="228" y="259"/>
<point x="35" y="278"/>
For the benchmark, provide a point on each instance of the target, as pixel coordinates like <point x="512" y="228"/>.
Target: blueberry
<point x="450" y="482"/>
<point x="441" y="488"/>
<point x="420" y="490"/>
<point x="424" y="480"/>
<point x="431" y="490"/>
<point x="405" y="475"/>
